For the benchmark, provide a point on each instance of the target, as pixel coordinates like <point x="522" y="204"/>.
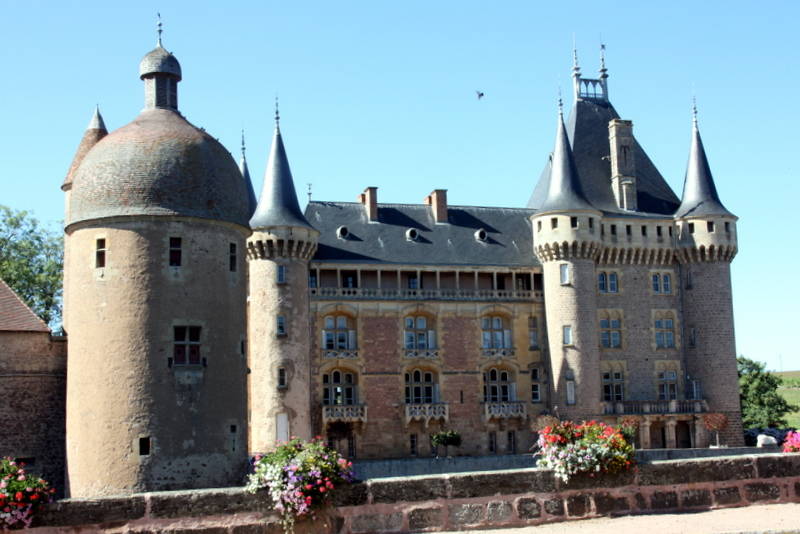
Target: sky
<point x="383" y="93"/>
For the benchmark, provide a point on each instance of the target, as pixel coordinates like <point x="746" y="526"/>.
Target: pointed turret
<point x="252" y="201"/>
<point x="564" y="191"/>
<point x="94" y="133"/>
<point x="278" y="205"/>
<point x="700" y="198"/>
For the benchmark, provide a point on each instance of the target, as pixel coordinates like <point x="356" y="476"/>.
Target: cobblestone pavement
<point x="756" y="519"/>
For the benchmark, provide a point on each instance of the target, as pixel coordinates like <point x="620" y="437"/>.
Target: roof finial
<point x="159" y="29"/>
<point x="309" y="192"/>
<point x="277" y="115"/>
<point x="602" y="55"/>
<point x="575" y="66"/>
<point x="243" y="147"/>
<point x="560" y="104"/>
<point x="694" y="105"/>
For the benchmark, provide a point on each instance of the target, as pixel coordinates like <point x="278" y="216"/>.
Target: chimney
<point x="370" y="199"/>
<point x="438" y="201"/>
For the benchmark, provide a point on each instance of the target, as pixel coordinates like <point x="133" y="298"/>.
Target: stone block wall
<point x="449" y="502"/>
<point x="33" y="383"/>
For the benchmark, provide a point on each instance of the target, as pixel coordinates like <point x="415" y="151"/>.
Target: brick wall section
<point x="708" y="307"/>
<point x="33" y="386"/>
<point x="453" y="502"/>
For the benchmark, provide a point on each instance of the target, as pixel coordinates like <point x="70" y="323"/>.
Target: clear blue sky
<point x="381" y="93"/>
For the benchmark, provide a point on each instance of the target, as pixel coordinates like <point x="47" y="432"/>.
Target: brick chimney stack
<point x="438" y="201"/>
<point x="370" y="199"/>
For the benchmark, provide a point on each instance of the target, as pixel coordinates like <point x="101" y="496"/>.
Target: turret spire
<point x="252" y="201"/>
<point x="93" y="134"/>
<point x="700" y="196"/>
<point x="278" y="205"/>
<point x="565" y="191"/>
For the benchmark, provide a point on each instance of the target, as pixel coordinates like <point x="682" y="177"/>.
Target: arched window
<point x="613" y="381"/>
<point x="607" y="282"/>
<point x="339" y="386"/>
<point x="339" y="333"/>
<point x="664" y="326"/>
<point x="498" y="386"/>
<point x="419" y="333"/>
<point x="496" y="333"/>
<point x="667" y="376"/>
<point x="421" y="387"/>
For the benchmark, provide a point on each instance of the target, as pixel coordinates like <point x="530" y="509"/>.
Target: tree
<point x="446" y="438"/>
<point x="715" y="422"/>
<point x="762" y="407"/>
<point x="338" y="430"/>
<point x="32" y="263"/>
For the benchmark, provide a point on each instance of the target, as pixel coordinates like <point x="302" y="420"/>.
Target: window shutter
<point x="435" y="393"/>
<point x="324" y="338"/>
<point x="355" y="394"/>
<point x="506" y="339"/>
<point x="431" y="339"/>
<point x="513" y="393"/>
<point x="351" y="339"/>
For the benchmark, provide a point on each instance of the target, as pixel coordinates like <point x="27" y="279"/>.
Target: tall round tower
<point x="157" y="222"/>
<point x="279" y="250"/>
<point x="706" y="246"/>
<point x="566" y="239"/>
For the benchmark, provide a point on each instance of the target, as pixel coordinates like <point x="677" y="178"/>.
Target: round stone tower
<point x="706" y="246"/>
<point x="157" y="224"/>
<point x="279" y="250"/>
<point x="566" y="239"/>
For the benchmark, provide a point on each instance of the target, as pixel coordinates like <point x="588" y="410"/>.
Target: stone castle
<point x="204" y="324"/>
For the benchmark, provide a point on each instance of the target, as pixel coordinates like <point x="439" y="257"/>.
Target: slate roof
<point x="700" y="196"/>
<point x="252" y="202"/>
<point x="509" y="239"/>
<point x="160" y="61"/>
<point x="159" y="165"/>
<point x="277" y="205"/>
<point x="15" y="316"/>
<point x="587" y="129"/>
<point x="564" y="187"/>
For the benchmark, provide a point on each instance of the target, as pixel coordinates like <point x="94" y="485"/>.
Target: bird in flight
<point x="480" y="95"/>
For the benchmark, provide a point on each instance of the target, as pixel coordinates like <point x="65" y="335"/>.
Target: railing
<point x="426" y="412"/>
<point x="499" y="353"/>
<point x="345" y="412"/>
<point x="340" y="353"/>
<point x="422" y="353"/>
<point x="655" y="407"/>
<point x="368" y="293"/>
<point x="504" y="410"/>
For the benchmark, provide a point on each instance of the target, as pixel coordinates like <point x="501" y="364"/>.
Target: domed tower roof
<point x="159" y="61"/>
<point x="159" y="164"/>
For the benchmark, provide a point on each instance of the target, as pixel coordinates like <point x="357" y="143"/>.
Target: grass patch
<point x="792" y="396"/>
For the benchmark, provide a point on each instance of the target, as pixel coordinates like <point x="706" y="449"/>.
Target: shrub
<point x="590" y="447"/>
<point x="715" y="421"/>
<point x="21" y="495"/>
<point x="446" y="438"/>
<point x="780" y="434"/>
<point x="299" y="477"/>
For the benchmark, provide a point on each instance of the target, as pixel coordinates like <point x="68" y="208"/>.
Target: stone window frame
<point x="414" y="334"/>
<point x="421" y="385"/>
<point x="187" y="345"/>
<point x="668" y="381"/>
<point x="534" y="343"/>
<point x="661" y="283"/>
<point x="503" y="379"/>
<point x="608" y="282"/>
<point x="665" y="329"/>
<point x="492" y="325"/>
<point x="610" y="326"/>
<point x="614" y="379"/>
<point x="343" y="390"/>
<point x="338" y="337"/>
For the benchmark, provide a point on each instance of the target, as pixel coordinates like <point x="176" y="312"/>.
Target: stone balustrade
<point x="371" y="293"/>
<point x="350" y="413"/>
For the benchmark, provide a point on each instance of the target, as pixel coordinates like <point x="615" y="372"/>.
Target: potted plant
<point x="715" y="421"/>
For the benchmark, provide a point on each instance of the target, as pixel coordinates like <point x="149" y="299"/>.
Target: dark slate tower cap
<point x="278" y="205"/>
<point x="700" y="198"/>
<point x="159" y="61"/>
<point x="564" y="192"/>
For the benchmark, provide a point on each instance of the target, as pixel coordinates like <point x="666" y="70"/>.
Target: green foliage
<point x="446" y="438"/>
<point x="32" y="263"/>
<point x="762" y="406"/>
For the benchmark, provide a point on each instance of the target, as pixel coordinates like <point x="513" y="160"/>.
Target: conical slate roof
<point x="564" y="188"/>
<point x="587" y="129"/>
<point x="700" y="198"/>
<point x="252" y="201"/>
<point x="278" y="204"/>
<point x="94" y="133"/>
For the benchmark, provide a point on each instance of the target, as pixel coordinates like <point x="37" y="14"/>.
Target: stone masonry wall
<point x="33" y="383"/>
<point x="450" y="502"/>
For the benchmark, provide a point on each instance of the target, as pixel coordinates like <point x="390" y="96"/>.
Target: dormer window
<point x="412" y="234"/>
<point x="481" y="235"/>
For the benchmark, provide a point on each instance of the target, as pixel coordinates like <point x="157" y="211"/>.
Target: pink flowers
<point x="792" y="442"/>
<point x="22" y="495"/>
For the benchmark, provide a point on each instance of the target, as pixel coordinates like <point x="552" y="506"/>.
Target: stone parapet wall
<point x="450" y="502"/>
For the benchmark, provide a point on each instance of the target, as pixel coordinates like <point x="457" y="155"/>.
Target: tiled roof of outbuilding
<point x="15" y="316"/>
<point x="508" y="242"/>
<point x="159" y="164"/>
<point x="587" y="128"/>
